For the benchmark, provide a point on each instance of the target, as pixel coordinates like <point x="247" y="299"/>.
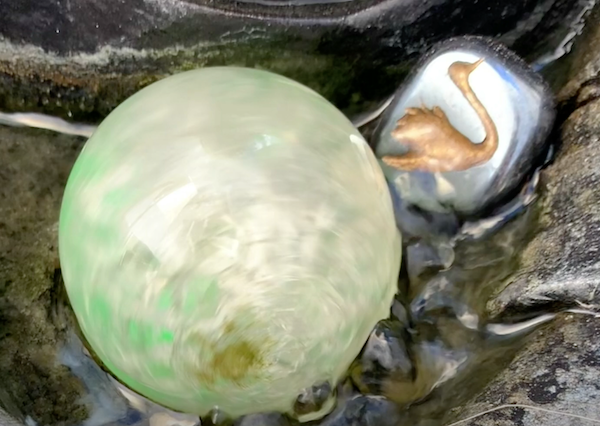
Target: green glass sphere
<point x="227" y="239"/>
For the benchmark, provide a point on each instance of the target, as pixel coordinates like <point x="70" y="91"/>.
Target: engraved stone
<point x="466" y="93"/>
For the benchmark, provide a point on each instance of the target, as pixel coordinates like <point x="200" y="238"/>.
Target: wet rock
<point x="556" y="375"/>
<point x="384" y="354"/>
<point x="474" y="270"/>
<point x="317" y="399"/>
<point x="270" y="419"/>
<point x="363" y="410"/>
<point x="34" y="169"/>
<point x="559" y="268"/>
<point x="554" y="378"/>
<point x="83" y="57"/>
<point x="454" y="349"/>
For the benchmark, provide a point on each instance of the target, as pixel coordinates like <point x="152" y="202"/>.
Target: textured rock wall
<point x="34" y="166"/>
<point x="85" y="70"/>
<point x="80" y="58"/>
<point x="559" y="368"/>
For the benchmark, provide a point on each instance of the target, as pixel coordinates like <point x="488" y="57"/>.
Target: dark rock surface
<point x="81" y="58"/>
<point x="34" y="169"/>
<point x="558" y="371"/>
<point x="560" y="268"/>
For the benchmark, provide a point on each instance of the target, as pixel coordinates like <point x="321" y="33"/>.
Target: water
<point x="449" y="348"/>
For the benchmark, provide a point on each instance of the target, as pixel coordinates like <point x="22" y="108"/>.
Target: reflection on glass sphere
<point x="227" y="240"/>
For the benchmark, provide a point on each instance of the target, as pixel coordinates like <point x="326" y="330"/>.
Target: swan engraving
<point x="434" y="145"/>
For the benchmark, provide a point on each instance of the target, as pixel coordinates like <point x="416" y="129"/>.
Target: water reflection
<point x="444" y="337"/>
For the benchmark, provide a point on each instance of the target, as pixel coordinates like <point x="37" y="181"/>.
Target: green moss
<point x="89" y="93"/>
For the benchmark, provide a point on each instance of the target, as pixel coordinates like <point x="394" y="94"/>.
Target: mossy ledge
<point x="87" y="87"/>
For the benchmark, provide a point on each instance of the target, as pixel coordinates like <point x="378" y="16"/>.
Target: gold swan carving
<point x="434" y="145"/>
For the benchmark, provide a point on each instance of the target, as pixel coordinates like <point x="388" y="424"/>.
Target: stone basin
<point x="84" y="71"/>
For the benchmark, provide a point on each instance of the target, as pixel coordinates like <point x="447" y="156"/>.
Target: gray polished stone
<point x="559" y="267"/>
<point x="517" y="101"/>
<point x="384" y="353"/>
<point x="35" y="166"/>
<point x="361" y="410"/>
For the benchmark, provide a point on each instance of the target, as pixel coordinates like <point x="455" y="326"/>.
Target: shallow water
<point x="453" y="352"/>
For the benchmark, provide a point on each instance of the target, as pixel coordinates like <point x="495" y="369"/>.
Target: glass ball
<point x="227" y="239"/>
